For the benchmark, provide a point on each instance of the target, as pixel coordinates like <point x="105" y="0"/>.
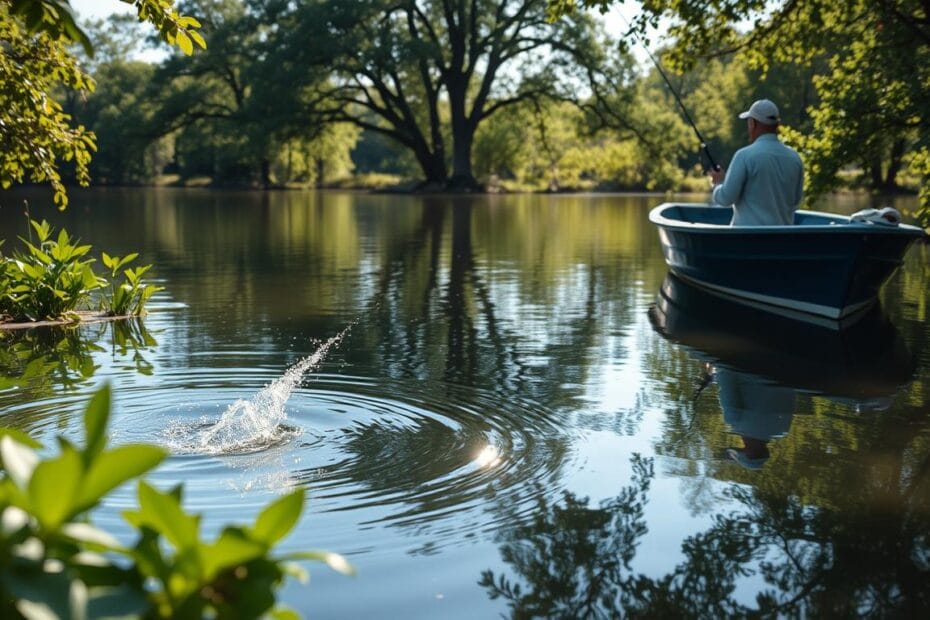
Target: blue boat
<point x="825" y="265"/>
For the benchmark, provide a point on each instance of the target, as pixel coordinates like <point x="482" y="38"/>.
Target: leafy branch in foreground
<point x="35" y="132"/>
<point x="55" y="18"/>
<point x="36" y="67"/>
<point x="54" y="563"/>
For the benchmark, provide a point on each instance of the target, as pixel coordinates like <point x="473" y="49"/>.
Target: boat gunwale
<point x="842" y="225"/>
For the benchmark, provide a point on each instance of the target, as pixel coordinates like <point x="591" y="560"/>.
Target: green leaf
<point x="96" y="417"/>
<point x="40" y="596"/>
<point x="19" y="461"/>
<point x="117" y="602"/>
<point x="87" y="533"/>
<point x="284" y="613"/>
<point x="233" y="548"/>
<point x="126" y="260"/>
<point x="197" y="38"/>
<point x="278" y="518"/>
<point x="163" y="513"/>
<point x="21" y="437"/>
<point x="114" y="467"/>
<point x="184" y="42"/>
<point x="54" y="485"/>
<point x="43" y="230"/>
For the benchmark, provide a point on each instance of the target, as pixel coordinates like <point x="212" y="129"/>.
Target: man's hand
<point x="717" y="176"/>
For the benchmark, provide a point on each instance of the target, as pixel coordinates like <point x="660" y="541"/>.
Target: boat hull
<point x="823" y="265"/>
<point x="865" y="361"/>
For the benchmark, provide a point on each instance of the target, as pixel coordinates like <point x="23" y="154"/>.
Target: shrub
<point x="51" y="278"/>
<point x="55" y="563"/>
<point x="130" y="296"/>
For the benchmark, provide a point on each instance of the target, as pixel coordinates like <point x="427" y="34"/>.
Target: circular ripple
<point x="435" y="459"/>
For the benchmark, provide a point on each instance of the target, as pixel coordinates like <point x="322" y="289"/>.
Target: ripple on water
<point x="450" y="459"/>
<point x="453" y="459"/>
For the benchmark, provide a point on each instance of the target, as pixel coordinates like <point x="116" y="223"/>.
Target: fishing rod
<point x="668" y="82"/>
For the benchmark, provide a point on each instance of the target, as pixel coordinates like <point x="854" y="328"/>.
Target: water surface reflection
<point x="504" y="405"/>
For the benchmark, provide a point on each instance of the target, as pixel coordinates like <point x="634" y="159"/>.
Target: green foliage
<point x="36" y="66"/>
<point x="54" y="563"/>
<point x="427" y="75"/>
<point x="35" y="132"/>
<point x="869" y="63"/>
<point x="119" y="111"/>
<point x="130" y="296"/>
<point x="55" y="19"/>
<point x="51" y="278"/>
<point x="226" y="112"/>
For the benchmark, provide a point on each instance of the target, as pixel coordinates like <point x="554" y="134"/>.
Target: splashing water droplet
<point x="257" y="423"/>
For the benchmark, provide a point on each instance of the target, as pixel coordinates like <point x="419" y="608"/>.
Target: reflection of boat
<point x="866" y="361"/>
<point x="824" y="264"/>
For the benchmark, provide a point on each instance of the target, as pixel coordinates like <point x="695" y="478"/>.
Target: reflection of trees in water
<point x="452" y="330"/>
<point x="463" y="324"/>
<point x="573" y="561"/>
<point x="42" y="361"/>
<point x="870" y="556"/>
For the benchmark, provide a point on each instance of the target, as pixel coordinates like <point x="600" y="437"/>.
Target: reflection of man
<point x="755" y="409"/>
<point x="765" y="180"/>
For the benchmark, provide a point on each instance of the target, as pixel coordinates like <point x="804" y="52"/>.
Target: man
<point x="765" y="180"/>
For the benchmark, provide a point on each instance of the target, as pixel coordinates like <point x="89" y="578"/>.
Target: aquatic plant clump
<point x="52" y="277"/>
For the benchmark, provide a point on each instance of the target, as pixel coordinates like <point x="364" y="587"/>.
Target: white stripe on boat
<point x="792" y="304"/>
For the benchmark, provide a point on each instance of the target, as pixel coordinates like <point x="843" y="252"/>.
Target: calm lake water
<point x="525" y="417"/>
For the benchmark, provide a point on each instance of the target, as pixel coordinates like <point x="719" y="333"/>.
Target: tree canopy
<point x="429" y="73"/>
<point x="872" y="73"/>
<point x="456" y="94"/>
<point x="36" y="65"/>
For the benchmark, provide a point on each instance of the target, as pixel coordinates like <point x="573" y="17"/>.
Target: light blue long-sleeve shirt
<point x="765" y="184"/>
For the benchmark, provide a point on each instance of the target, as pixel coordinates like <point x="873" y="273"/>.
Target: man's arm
<point x="729" y="191"/>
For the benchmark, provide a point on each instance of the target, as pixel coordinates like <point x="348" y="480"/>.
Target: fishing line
<point x="668" y="82"/>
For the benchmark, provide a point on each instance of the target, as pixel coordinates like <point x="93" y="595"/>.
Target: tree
<point x="417" y="69"/>
<point x="231" y="110"/>
<point x="55" y="19"/>
<point x="35" y="132"/>
<point x="873" y="91"/>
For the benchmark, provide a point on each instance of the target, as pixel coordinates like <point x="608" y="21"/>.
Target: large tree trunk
<point x="463" y="135"/>
<point x="462" y="177"/>
<point x="320" y="171"/>
<point x="874" y="167"/>
<point x="266" y="173"/>
<point x="894" y="166"/>
<point x="433" y="166"/>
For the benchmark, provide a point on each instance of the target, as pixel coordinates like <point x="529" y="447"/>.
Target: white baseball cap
<point x="763" y="111"/>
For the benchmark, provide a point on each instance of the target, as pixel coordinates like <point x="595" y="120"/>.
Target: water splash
<point x="254" y="424"/>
